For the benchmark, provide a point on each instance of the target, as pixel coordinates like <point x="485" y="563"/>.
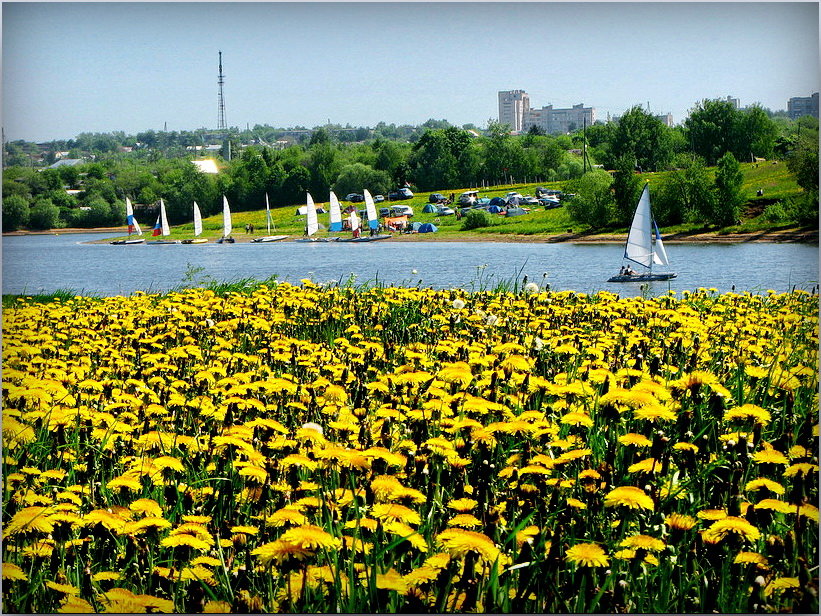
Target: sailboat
<point x="644" y="245"/>
<point x="312" y="223"/>
<point x="133" y="226"/>
<point x="373" y="223"/>
<point x="161" y="227"/>
<point x="226" y="223"/>
<point x="197" y="228"/>
<point x="336" y="214"/>
<point x="269" y="237"/>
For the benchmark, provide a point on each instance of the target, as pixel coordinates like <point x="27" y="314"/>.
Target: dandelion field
<point x="326" y="449"/>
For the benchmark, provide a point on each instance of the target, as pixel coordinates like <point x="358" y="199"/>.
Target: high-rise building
<point x="513" y="104"/>
<point x="515" y="111"/>
<point x="799" y="106"/>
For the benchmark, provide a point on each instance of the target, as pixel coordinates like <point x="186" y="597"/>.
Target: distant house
<point x="206" y="165"/>
<point x="66" y="162"/>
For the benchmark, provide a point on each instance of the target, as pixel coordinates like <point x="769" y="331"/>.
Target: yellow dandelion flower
<point x="280" y="551"/>
<point x="391" y="512"/>
<point x="129" y="483"/>
<point x="755" y="372"/>
<point x="629" y="496"/>
<point x="751" y="558"/>
<point x="576" y="503"/>
<point x="421" y="575"/>
<point x="655" y="412"/>
<point x="803" y="468"/>
<point x="217" y="607"/>
<point x="309" y="536"/>
<point x="645" y="542"/>
<point x="63" y="588"/>
<point x="638" y="440"/>
<point x="587" y="555"/>
<point x="678" y="521"/>
<point x="29" y="519"/>
<point x="458" y="542"/>
<point x="575" y="418"/>
<point x="391" y="581"/>
<point x="75" y="605"/>
<point x="712" y="514"/>
<point x="12" y="572"/>
<point x="731" y="525"/>
<point x="686" y="447"/>
<point x="781" y="583"/>
<point x="183" y="539"/>
<point x="147" y="506"/>
<point x="745" y="412"/>
<point x="465" y="520"/>
<point x="772" y="504"/>
<point x="164" y="462"/>
<point x="770" y="456"/>
<point x="106" y="576"/>
<point x="649" y="465"/>
<point x="462" y="504"/>
<point x="408" y="533"/>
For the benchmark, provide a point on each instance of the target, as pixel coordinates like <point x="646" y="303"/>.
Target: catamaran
<point x="133" y="226"/>
<point x="644" y="246"/>
<point x="161" y="227"/>
<point x="269" y="237"/>
<point x="197" y="228"/>
<point x="226" y="223"/>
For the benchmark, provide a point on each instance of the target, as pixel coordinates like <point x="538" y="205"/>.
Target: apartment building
<point x="515" y="111"/>
<point x="799" y="106"/>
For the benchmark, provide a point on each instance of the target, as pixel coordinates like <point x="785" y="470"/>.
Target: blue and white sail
<point x="133" y="225"/>
<point x="370" y="210"/>
<point x="336" y="214"/>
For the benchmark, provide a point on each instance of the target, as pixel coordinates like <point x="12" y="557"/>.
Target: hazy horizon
<point x="70" y="68"/>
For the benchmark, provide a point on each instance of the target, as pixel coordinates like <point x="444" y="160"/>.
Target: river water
<point x="47" y="263"/>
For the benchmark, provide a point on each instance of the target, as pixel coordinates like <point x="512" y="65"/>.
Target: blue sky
<point x="100" y="67"/>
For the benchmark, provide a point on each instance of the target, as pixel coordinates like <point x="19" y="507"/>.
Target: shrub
<point x="15" y="213"/>
<point x="475" y="219"/>
<point x="44" y="215"/>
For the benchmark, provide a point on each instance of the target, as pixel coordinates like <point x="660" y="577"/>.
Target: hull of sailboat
<point x="196" y="240"/>
<point x="318" y="239"/>
<point x="127" y="242"/>
<point x="642" y="278"/>
<point x="368" y="238"/>
<point x="269" y="238"/>
<point x="157" y="242"/>
<point x="226" y="240"/>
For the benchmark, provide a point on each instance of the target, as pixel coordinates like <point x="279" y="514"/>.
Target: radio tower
<point x="221" y="82"/>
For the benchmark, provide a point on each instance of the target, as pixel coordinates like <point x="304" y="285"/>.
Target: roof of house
<point x="67" y="162"/>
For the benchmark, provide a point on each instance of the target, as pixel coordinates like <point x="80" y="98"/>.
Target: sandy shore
<point x="778" y="236"/>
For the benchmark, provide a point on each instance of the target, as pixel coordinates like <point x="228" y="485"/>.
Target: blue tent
<point x="497" y="201"/>
<point x="430" y="208"/>
<point x="494" y="209"/>
<point x="428" y="227"/>
<point x="415" y="226"/>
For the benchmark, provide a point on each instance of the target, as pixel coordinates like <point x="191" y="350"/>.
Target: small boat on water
<point x="644" y="246"/>
<point x="312" y="224"/>
<point x="226" y="224"/>
<point x="197" y="228"/>
<point x="161" y="228"/>
<point x="335" y="225"/>
<point x="265" y="239"/>
<point x="133" y="227"/>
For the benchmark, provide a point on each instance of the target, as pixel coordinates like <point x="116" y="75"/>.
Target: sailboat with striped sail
<point x="161" y="227"/>
<point x="644" y="246"/>
<point x="133" y="226"/>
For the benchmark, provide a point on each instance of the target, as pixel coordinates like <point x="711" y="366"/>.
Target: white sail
<point x="133" y="225"/>
<point x="336" y="214"/>
<point x="639" y="246"/>
<point x="226" y="217"/>
<point x="370" y="210"/>
<point x="267" y="213"/>
<point x="311" y="220"/>
<point x="659" y="255"/>
<point x="163" y="219"/>
<point x="197" y="219"/>
<point x="354" y="221"/>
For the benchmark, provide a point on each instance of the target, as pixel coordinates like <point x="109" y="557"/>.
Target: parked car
<point x="378" y="198"/>
<point x="402" y="193"/>
<point x="401" y="210"/>
<point x="469" y="197"/>
<point x="445" y="211"/>
<point x="549" y="203"/>
<point x="437" y="198"/>
<point x="354" y="197"/>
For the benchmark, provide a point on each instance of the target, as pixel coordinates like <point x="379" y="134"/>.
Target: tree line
<point x="437" y="156"/>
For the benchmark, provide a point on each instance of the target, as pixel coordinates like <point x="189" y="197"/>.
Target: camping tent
<point x="497" y="201"/>
<point x="428" y="227"/>
<point x="515" y="211"/>
<point x="494" y="209"/>
<point x="430" y="208"/>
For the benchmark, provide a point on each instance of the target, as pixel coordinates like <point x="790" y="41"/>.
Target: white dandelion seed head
<point x="458" y="304"/>
<point x="313" y="426"/>
<point x="531" y="287"/>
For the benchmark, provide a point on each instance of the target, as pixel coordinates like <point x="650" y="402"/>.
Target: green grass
<point x="772" y="177"/>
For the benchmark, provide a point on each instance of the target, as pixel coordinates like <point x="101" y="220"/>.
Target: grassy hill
<point x="772" y="177"/>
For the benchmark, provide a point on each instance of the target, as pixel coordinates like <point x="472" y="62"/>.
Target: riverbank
<point x="801" y="236"/>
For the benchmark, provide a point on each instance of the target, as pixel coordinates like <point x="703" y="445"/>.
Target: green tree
<point x="15" y="213"/>
<point x="727" y="205"/>
<point x="323" y="167"/>
<point x="713" y="129"/>
<point x="296" y="185"/>
<point x="356" y="177"/>
<point x="594" y="199"/>
<point x="758" y="134"/>
<point x="44" y="215"/>
<point x="685" y="195"/>
<point x="803" y="163"/>
<point x="643" y="137"/>
<point x="432" y="162"/>
<point x="626" y="189"/>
